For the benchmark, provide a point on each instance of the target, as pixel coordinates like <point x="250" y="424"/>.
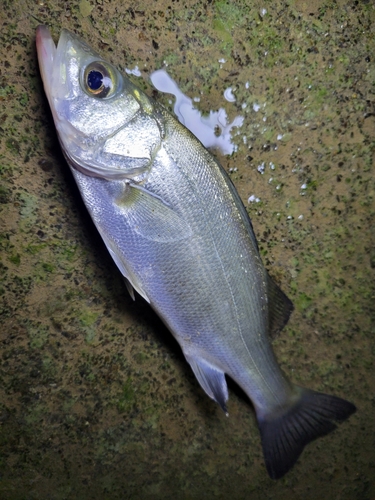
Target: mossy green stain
<point x="88" y="318"/>
<point x="127" y="398"/>
<point x="303" y="301"/>
<point x="48" y="267"/>
<point x="15" y="259"/>
<point x="38" y="333"/>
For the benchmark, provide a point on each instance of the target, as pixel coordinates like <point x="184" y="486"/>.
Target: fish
<point x="179" y="233"/>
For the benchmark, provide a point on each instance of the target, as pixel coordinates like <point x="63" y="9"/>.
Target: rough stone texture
<point x="96" y="400"/>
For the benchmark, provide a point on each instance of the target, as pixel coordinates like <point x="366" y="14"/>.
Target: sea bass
<point x="179" y="233"/>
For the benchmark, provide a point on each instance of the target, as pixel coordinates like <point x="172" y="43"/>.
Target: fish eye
<point x="99" y="79"/>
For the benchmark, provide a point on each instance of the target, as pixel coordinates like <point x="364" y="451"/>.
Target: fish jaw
<point x="46" y="50"/>
<point x="59" y="86"/>
<point x="60" y="65"/>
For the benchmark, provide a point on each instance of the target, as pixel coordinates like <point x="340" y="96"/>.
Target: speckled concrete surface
<point x="96" y="400"/>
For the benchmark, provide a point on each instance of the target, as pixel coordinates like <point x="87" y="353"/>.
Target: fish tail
<point x="285" y="435"/>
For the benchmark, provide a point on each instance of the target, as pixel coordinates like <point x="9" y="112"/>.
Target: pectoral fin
<point x="151" y="217"/>
<point x="211" y="379"/>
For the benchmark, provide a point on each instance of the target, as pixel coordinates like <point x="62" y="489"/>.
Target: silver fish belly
<point x="179" y="233"/>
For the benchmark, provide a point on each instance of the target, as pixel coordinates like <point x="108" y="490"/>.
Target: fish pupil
<point x="95" y="80"/>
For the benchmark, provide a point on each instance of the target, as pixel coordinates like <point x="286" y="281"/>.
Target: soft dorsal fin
<point x="279" y="308"/>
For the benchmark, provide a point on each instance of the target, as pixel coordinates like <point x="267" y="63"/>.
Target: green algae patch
<point x="46" y="266"/>
<point x="85" y="8"/>
<point x="34" y="249"/>
<point x="28" y="209"/>
<point x="38" y="334"/>
<point x="15" y="259"/>
<point x="127" y="397"/>
<point x="5" y="194"/>
<point x="303" y="301"/>
<point x="219" y="26"/>
<point x="88" y="318"/>
<point x="13" y="145"/>
<point x="141" y="357"/>
<point x="88" y="321"/>
<point x="36" y="414"/>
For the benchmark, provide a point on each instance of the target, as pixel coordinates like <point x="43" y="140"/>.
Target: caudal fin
<point x="285" y="436"/>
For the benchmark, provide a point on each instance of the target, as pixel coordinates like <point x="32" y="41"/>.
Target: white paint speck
<point x="253" y="199"/>
<point x="135" y="71"/>
<point x="261" y="168"/>
<point x="228" y="94"/>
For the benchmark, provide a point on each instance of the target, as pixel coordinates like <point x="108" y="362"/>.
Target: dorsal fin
<point x="279" y="308"/>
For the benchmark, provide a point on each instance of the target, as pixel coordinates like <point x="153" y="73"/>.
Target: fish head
<point x="94" y="108"/>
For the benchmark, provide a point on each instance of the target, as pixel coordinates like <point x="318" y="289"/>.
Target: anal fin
<point x="211" y="379"/>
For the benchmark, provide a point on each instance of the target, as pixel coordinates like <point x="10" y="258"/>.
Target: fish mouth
<point x="52" y="65"/>
<point x="59" y="68"/>
<point x="60" y="64"/>
<point x="52" y="61"/>
<point x="46" y="50"/>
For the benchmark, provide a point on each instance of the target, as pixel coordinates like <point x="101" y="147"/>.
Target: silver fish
<point x="179" y="233"/>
